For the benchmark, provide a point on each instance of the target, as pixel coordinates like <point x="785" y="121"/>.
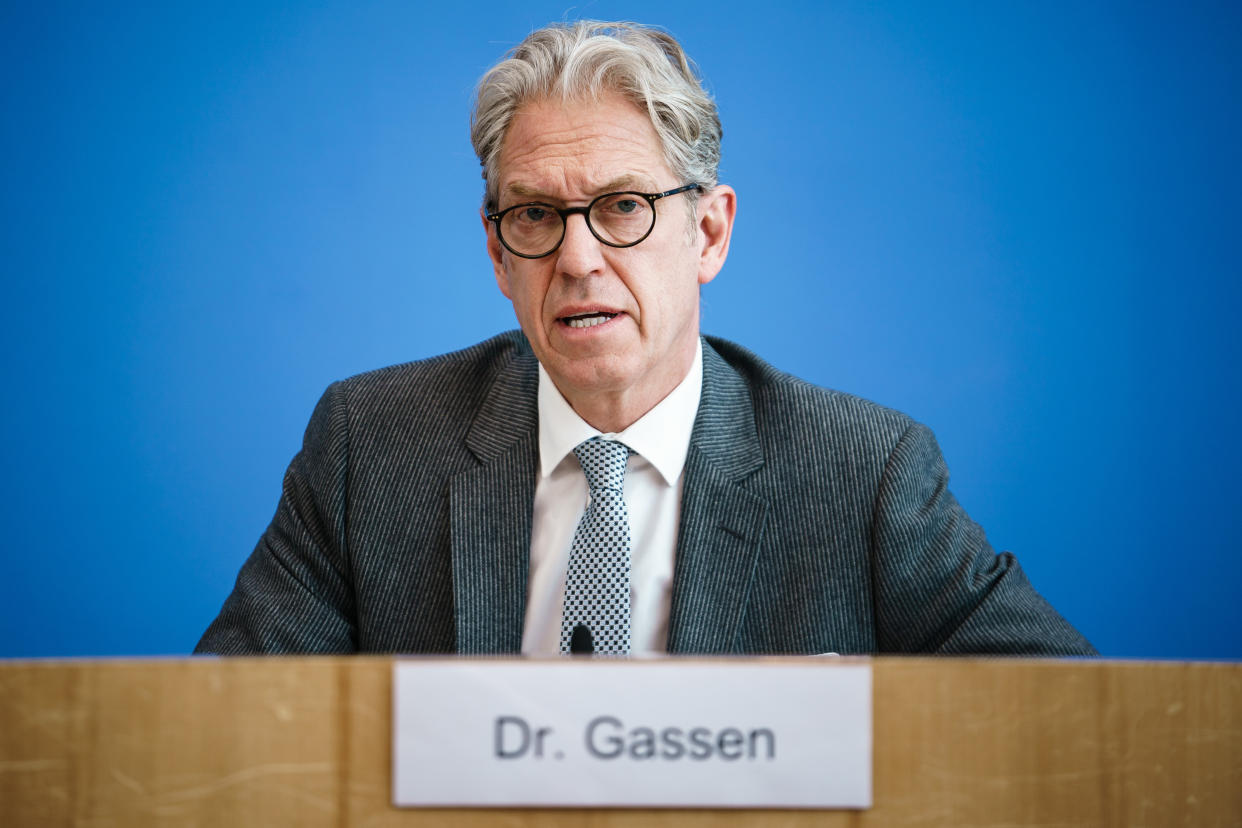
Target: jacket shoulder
<point x="790" y="409"/>
<point x="468" y="370"/>
<point x="429" y="405"/>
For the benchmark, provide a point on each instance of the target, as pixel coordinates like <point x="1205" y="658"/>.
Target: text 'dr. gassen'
<point x="747" y="733"/>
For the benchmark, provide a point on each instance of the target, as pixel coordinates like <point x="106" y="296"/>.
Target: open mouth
<point x="587" y="320"/>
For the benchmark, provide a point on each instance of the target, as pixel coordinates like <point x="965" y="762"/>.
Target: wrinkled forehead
<point x="569" y="150"/>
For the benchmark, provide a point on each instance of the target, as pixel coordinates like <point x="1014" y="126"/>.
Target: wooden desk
<point x="305" y="741"/>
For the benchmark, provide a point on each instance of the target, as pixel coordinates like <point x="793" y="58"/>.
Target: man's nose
<point x="580" y="252"/>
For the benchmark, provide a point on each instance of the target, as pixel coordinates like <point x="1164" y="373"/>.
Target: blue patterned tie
<point x="597" y="585"/>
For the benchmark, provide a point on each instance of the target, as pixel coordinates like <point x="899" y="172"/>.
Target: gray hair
<point x="586" y="58"/>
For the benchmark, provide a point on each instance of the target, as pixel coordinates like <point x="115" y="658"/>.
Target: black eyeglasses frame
<point x="585" y="212"/>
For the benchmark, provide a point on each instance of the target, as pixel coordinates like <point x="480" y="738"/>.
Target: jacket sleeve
<point x="939" y="587"/>
<point x="295" y="592"/>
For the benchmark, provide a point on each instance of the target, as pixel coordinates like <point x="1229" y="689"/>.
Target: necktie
<point x="597" y="584"/>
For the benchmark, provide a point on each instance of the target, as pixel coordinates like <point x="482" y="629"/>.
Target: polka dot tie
<point x="597" y="585"/>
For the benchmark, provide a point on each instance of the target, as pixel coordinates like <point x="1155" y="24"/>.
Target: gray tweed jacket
<point x="812" y="521"/>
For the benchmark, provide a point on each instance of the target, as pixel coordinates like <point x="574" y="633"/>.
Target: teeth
<point x="589" y="321"/>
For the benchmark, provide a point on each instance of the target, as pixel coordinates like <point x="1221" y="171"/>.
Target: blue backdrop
<point x="1016" y="222"/>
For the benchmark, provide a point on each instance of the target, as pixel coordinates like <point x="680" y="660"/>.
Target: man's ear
<point x="716" y="210"/>
<point x="496" y="253"/>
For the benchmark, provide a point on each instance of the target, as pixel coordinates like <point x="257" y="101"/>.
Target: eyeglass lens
<point x="616" y="218"/>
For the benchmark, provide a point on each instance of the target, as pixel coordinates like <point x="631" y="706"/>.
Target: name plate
<point x="665" y="733"/>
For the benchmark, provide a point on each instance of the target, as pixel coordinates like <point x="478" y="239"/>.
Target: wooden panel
<point x="305" y="741"/>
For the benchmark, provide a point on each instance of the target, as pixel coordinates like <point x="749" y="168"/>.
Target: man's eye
<point x="532" y="214"/>
<point x="625" y="206"/>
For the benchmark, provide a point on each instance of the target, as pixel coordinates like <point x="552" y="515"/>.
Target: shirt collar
<point x="661" y="436"/>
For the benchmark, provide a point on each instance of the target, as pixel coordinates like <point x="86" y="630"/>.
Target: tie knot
<point x="603" y="462"/>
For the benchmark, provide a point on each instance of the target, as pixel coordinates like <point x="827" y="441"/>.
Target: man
<point x="608" y="480"/>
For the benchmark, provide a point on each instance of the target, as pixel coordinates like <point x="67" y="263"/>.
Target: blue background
<point x="1016" y="222"/>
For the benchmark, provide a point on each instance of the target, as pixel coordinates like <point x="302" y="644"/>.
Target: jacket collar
<point x="722" y="522"/>
<point x="490" y="509"/>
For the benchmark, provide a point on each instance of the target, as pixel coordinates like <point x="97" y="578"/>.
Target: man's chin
<point x="589" y="375"/>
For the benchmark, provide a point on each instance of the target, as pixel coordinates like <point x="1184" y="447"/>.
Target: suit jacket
<point x="812" y="521"/>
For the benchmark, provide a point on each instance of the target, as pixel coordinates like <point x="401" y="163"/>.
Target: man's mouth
<point x="587" y="320"/>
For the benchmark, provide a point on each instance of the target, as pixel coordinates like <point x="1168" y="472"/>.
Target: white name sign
<point x="666" y="733"/>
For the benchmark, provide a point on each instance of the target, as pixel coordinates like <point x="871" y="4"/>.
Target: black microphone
<point x="580" y="643"/>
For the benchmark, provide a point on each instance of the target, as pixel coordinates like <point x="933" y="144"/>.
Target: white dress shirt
<point x="658" y="441"/>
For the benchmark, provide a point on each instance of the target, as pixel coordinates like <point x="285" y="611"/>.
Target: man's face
<point x="566" y="155"/>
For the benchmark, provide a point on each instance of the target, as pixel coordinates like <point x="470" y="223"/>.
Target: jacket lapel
<point x="722" y="524"/>
<point x="490" y="507"/>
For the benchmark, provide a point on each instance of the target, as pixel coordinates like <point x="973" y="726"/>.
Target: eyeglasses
<point x="535" y="229"/>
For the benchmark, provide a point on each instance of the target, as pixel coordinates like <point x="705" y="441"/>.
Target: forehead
<point x="576" y="149"/>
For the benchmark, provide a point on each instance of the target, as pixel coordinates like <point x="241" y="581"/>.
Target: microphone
<point x="581" y="643"/>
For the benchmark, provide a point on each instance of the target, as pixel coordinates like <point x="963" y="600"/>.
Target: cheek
<point x="504" y="283"/>
<point x="527" y="292"/>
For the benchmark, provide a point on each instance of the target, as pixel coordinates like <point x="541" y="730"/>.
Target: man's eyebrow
<point x="624" y="182"/>
<point x="519" y="189"/>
